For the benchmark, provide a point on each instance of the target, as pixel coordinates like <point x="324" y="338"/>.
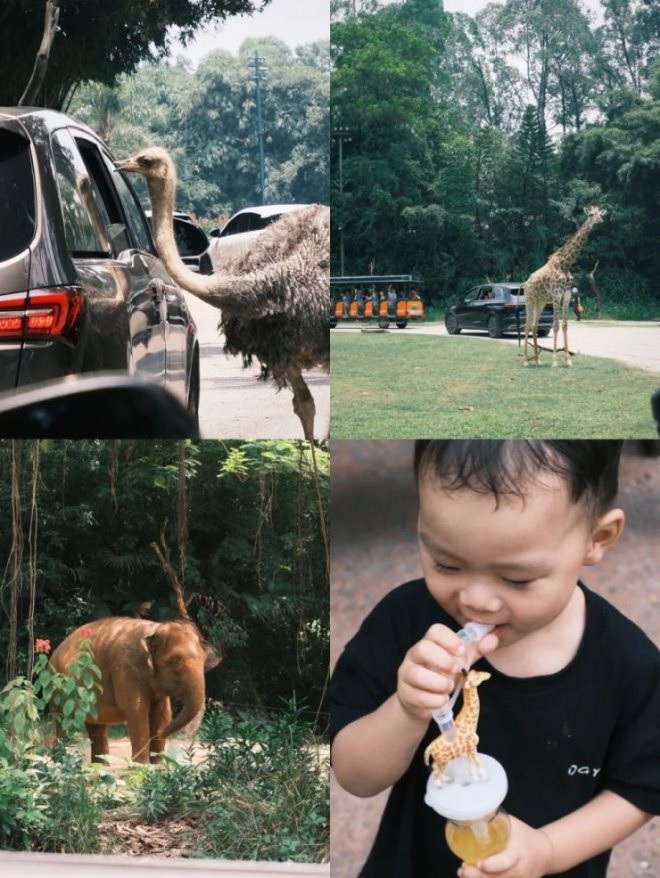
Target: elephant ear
<point x="148" y="645"/>
<point x="213" y="658"/>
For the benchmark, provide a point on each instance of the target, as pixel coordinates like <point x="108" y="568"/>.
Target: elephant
<point x="144" y="666"/>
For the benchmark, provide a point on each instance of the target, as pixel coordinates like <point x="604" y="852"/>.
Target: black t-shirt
<point x="562" y="738"/>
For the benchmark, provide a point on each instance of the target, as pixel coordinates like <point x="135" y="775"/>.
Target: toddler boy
<point x="572" y="710"/>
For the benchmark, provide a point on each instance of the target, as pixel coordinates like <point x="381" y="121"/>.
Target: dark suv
<point x="494" y="308"/>
<point x="81" y="286"/>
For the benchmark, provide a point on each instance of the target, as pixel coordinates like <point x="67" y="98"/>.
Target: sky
<point x="294" y="21"/>
<point x="472" y="6"/>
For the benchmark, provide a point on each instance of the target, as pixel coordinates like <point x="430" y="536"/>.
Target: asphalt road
<point x="234" y="404"/>
<point x="633" y="342"/>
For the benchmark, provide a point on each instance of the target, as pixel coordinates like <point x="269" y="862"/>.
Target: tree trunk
<point x="36" y="82"/>
<point x="595" y="290"/>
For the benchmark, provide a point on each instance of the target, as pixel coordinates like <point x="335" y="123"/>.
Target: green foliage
<point x="255" y="566"/>
<point x="479" y="164"/>
<point x="261" y="791"/>
<point x="49" y="800"/>
<point x="96" y="41"/>
<point x="207" y="120"/>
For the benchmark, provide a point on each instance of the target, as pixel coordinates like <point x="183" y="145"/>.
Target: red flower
<point x="42" y="645"/>
<point x="86" y="632"/>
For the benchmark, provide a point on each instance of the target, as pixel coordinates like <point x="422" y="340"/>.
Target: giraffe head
<point x="472" y="679"/>
<point x="595" y="214"/>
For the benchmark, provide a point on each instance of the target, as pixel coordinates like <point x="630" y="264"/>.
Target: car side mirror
<point x="101" y="405"/>
<point x="190" y="240"/>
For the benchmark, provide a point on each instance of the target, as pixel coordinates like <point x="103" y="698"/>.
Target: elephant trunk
<point x="193" y="705"/>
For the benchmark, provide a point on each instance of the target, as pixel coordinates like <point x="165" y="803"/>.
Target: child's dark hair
<point x="590" y="468"/>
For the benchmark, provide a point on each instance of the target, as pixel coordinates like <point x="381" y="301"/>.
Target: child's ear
<point x="605" y="533"/>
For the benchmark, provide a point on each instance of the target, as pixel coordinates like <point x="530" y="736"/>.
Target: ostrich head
<point x="153" y="163"/>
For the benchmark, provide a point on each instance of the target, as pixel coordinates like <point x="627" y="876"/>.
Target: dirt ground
<point x="374" y="549"/>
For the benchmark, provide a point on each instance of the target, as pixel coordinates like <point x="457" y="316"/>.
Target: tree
<point x="553" y="41"/>
<point x="386" y="88"/>
<point x="206" y="119"/>
<point x="629" y="41"/>
<point x="253" y="565"/>
<point x="96" y="41"/>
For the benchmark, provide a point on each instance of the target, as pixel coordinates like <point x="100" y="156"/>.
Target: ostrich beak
<point x="127" y="165"/>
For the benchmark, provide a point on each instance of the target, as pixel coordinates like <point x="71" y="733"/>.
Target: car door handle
<point x="160" y="290"/>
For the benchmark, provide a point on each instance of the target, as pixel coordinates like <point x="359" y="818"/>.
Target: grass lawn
<point x="393" y="385"/>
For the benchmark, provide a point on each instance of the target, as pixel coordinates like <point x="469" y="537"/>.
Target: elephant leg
<point x="137" y="719"/>
<point x="160" y="714"/>
<point x="98" y="735"/>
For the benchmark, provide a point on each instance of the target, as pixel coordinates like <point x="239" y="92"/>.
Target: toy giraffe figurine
<point x="442" y="750"/>
<point x="552" y="284"/>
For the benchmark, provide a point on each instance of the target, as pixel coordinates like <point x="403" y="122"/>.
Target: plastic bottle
<point x="477" y="827"/>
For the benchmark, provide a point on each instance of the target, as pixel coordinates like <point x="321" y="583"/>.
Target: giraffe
<point x="552" y="283"/>
<point x="441" y="750"/>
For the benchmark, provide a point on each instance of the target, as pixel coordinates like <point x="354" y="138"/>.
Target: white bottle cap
<point x="471" y="801"/>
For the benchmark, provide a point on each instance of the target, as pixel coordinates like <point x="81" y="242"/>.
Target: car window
<point x="134" y="213"/>
<point x="84" y="221"/>
<point x="472" y="295"/>
<point x="238" y="225"/>
<point x="17" y="195"/>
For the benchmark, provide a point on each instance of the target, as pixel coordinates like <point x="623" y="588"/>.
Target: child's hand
<point x="527" y="855"/>
<point x="427" y="674"/>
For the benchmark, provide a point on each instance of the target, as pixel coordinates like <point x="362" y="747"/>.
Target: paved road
<point x="634" y="343"/>
<point x="234" y="404"/>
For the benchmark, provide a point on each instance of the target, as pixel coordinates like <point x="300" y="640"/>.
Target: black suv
<point x="496" y="309"/>
<point x="81" y="286"/>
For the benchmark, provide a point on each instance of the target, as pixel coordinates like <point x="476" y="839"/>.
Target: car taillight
<point x="41" y="313"/>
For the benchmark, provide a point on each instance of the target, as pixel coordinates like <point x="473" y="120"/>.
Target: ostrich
<point x="274" y="299"/>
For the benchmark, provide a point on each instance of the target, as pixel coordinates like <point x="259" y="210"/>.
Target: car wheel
<point x="383" y="322"/>
<point x="494" y="326"/>
<point x="192" y="405"/>
<point x="543" y="333"/>
<point x="451" y="323"/>
<point x="401" y="323"/>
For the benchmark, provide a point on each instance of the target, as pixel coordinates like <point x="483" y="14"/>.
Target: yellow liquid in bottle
<point x="474" y="841"/>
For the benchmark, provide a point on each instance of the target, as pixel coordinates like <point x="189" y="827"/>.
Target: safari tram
<point x="386" y="299"/>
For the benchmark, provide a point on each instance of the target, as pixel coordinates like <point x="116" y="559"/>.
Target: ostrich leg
<point x="303" y="401"/>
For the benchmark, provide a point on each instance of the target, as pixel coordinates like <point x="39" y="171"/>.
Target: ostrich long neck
<point x="254" y="294"/>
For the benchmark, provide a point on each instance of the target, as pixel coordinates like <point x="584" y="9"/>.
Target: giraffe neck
<point x="469" y="714"/>
<point x="566" y="255"/>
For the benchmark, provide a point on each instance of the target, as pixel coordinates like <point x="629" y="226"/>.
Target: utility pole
<point x="341" y="134"/>
<point x="256" y="63"/>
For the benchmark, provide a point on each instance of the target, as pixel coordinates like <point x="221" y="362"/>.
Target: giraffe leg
<point x="525" y="357"/>
<point x="535" y="337"/>
<point x="303" y="401"/>
<point x="555" y="332"/>
<point x="567" y="355"/>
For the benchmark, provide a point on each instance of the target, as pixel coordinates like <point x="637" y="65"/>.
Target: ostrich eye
<point x="145" y="160"/>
